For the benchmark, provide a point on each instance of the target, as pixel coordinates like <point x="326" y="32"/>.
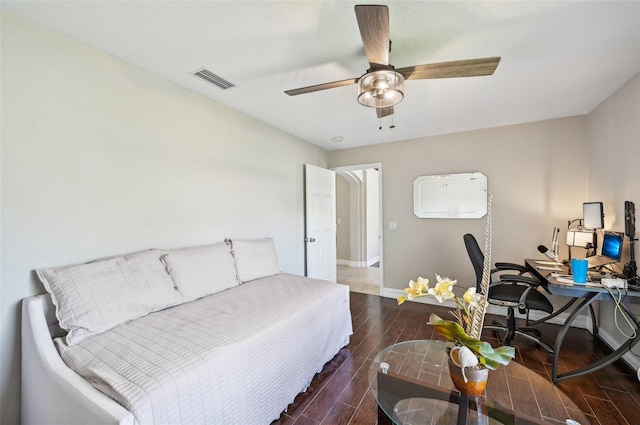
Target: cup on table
<point x="579" y="268"/>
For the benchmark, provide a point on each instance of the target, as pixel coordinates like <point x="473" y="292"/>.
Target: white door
<point x="320" y="226"/>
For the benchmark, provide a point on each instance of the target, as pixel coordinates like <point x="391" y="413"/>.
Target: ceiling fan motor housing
<point x="381" y="88"/>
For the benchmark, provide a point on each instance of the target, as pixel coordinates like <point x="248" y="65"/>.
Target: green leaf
<point x="487" y="355"/>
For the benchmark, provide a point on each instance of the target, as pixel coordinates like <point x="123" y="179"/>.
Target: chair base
<point x="529" y="330"/>
<point x="511" y="331"/>
<point x="510" y="335"/>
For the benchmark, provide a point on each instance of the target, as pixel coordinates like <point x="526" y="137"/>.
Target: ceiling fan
<point x="382" y="86"/>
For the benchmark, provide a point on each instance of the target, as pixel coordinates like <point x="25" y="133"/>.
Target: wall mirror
<point x="461" y="195"/>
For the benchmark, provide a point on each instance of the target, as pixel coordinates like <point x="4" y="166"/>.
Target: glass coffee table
<point x="411" y="384"/>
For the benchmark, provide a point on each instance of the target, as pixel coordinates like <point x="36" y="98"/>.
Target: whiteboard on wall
<point x="462" y="195"/>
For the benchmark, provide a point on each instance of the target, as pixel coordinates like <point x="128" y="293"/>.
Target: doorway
<point x="359" y="227"/>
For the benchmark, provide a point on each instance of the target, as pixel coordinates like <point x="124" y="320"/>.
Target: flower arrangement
<point x="479" y="352"/>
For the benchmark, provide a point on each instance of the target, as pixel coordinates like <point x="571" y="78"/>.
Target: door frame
<point x="378" y="166"/>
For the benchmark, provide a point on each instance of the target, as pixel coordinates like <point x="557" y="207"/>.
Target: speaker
<point x="629" y="219"/>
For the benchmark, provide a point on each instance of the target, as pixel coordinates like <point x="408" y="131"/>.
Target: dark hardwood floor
<point x="339" y="394"/>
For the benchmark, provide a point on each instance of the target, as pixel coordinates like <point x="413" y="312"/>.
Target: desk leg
<point x="594" y="322"/>
<point x="552" y="315"/>
<point x="563" y="331"/>
<point x="603" y="362"/>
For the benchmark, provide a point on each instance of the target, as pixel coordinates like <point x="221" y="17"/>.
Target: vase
<point x="477" y="376"/>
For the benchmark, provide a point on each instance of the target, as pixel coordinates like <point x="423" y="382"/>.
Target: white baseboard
<point x="350" y="263"/>
<point x="629" y="358"/>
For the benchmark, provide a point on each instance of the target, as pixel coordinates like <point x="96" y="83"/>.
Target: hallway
<point x="365" y="280"/>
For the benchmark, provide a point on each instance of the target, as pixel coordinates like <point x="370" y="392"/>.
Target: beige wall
<point x="530" y="174"/>
<point x="100" y="158"/>
<point x="613" y="134"/>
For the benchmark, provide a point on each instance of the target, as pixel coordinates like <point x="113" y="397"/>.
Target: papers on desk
<point x="547" y="263"/>
<point x="562" y="278"/>
<point x="567" y="279"/>
<point x="551" y="266"/>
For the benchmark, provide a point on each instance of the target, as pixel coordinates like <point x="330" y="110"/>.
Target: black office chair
<point x="512" y="291"/>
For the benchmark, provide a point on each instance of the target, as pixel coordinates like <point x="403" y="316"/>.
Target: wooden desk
<point x="588" y="294"/>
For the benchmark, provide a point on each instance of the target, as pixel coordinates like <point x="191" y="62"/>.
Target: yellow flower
<point x="443" y="289"/>
<point x="415" y="290"/>
<point x="471" y="298"/>
<point x="458" y="330"/>
<point x="446" y="280"/>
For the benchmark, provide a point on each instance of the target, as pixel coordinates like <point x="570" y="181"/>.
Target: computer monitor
<point x="612" y="245"/>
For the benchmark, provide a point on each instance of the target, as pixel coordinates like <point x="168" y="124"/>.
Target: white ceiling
<point x="559" y="58"/>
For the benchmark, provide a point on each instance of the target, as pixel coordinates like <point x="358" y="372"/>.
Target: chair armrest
<point x="530" y="282"/>
<point x="522" y="302"/>
<point x="511" y="266"/>
<point x="506" y="278"/>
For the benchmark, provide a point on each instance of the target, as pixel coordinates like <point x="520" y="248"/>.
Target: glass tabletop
<point x="417" y="389"/>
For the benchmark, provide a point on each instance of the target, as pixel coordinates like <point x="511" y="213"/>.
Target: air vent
<point x="212" y="78"/>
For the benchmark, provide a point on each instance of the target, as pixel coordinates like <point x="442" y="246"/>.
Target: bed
<point x="239" y="355"/>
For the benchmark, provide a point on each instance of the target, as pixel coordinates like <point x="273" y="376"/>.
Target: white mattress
<point x="236" y="357"/>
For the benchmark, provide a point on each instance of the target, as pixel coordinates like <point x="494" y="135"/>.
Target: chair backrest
<point x="476" y="256"/>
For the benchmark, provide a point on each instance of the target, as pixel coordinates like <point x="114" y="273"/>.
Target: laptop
<point x="611" y="250"/>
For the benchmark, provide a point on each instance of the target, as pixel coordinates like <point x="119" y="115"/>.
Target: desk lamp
<point x="579" y="236"/>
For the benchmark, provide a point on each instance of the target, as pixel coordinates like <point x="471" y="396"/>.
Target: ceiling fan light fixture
<point x="380" y="89"/>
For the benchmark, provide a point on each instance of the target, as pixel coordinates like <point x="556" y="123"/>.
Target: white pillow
<point x="94" y="297"/>
<point x="255" y="258"/>
<point x="201" y="271"/>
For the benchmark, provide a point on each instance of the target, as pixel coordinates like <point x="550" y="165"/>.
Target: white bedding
<point x="237" y="357"/>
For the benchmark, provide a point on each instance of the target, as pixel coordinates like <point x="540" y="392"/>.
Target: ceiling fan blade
<point x="384" y="112"/>
<point x="455" y="69"/>
<point x="318" y="87"/>
<point x="373" y="21"/>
